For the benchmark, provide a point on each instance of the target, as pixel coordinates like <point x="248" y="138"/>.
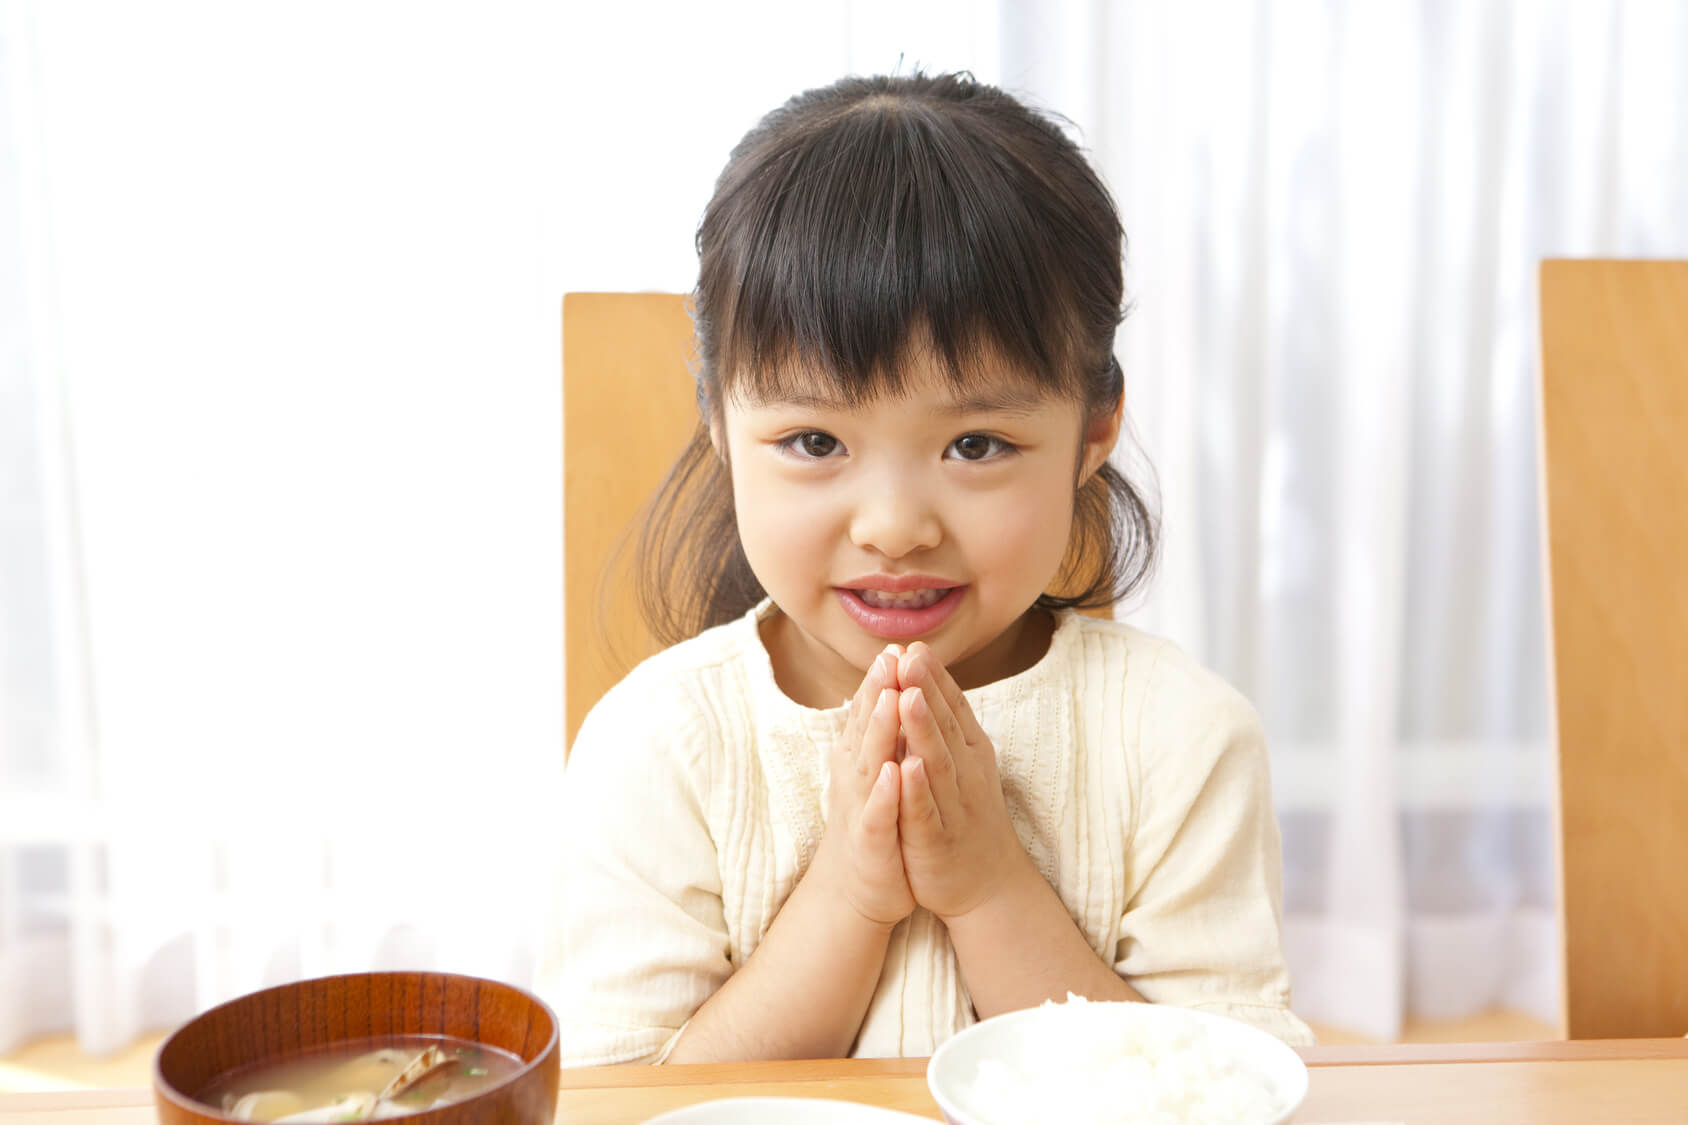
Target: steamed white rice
<point x="1076" y="1064"/>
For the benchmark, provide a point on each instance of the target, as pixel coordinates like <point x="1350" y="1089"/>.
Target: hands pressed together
<point x="931" y="829"/>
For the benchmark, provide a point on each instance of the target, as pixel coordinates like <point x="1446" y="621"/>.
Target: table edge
<point x="1387" y="1054"/>
<point x="832" y="1070"/>
<point x="1552" y="1050"/>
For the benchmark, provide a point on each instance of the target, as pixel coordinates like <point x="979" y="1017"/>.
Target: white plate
<point x="1023" y="1041"/>
<point x="780" y="1111"/>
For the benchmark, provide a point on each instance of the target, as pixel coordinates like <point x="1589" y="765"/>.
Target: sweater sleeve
<point x="643" y="937"/>
<point x="1203" y="925"/>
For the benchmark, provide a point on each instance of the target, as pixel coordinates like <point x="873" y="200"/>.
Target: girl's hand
<point x="959" y="846"/>
<point x="859" y="852"/>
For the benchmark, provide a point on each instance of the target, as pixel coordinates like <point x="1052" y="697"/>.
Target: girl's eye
<point x="813" y="444"/>
<point x="978" y="447"/>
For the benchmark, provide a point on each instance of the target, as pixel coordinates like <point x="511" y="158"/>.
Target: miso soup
<point x="361" y="1080"/>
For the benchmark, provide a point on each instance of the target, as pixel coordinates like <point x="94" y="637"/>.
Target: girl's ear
<point x="717" y="439"/>
<point x="1101" y="433"/>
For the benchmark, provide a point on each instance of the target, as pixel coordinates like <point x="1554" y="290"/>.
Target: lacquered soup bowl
<point x="328" y="1012"/>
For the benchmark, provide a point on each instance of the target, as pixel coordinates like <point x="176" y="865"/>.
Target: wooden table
<point x="1606" y="1081"/>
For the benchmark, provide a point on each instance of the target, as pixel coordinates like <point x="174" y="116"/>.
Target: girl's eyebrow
<point x="796" y="398"/>
<point x="998" y="400"/>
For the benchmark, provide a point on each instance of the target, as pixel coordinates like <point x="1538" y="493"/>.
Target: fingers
<point x="879" y="740"/>
<point x="880" y="813"/>
<point x="928" y="745"/>
<point x="949" y="728"/>
<point x="919" y="668"/>
<point x="881" y="674"/>
<point x="892" y="654"/>
<point x="918" y="818"/>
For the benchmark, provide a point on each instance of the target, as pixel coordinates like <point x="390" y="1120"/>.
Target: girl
<point x="898" y="494"/>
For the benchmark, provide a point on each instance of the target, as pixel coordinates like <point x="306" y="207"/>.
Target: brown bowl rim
<point x="164" y="1088"/>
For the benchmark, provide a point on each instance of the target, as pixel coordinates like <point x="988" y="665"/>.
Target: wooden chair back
<point x="629" y="407"/>
<point x="1615" y="412"/>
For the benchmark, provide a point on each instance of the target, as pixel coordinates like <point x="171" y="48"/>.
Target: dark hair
<point x="866" y="218"/>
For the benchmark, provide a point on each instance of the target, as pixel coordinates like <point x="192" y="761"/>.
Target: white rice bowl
<point x="1115" y="1063"/>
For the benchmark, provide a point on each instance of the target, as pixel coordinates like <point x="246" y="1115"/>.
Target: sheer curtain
<point x="1336" y="212"/>
<point x="280" y="622"/>
<point x="280" y="529"/>
<point x="280" y="665"/>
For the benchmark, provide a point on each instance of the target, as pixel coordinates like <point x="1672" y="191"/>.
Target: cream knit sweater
<point x="695" y="795"/>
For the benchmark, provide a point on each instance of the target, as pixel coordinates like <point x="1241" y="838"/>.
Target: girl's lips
<point x="899" y="624"/>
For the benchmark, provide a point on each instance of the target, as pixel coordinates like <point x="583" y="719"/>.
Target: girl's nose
<point x="895" y="521"/>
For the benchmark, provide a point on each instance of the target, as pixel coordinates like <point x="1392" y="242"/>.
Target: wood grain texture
<point x="327" y="1011"/>
<point x="629" y="407"/>
<point x="1549" y="1084"/>
<point x="1552" y="1050"/>
<point x="1640" y="1081"/>
<point x="1645" y="1092"/>
<point x="1615" y="442"/>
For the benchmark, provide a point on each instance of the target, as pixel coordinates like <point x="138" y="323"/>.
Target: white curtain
<point x="280" y="666"/>
<point x="1336" y="213"/>
<point x="279" y="567"/>
<point x="281" y="505"/>
<point x="280" y="501"/>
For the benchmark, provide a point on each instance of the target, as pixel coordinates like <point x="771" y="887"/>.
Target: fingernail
<point x="884" y="779"/>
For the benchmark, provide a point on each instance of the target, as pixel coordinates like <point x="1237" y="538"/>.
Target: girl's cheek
<point x="1019" y="529"/>
<point x="789" y="515"/>
<point x="1025" y="509"/>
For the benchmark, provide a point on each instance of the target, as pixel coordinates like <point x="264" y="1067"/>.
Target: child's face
<point x="921" y="517"/>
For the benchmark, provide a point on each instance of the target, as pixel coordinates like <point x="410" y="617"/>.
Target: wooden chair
<point x="1615" y="409"/>
<point x="629" y="407"/>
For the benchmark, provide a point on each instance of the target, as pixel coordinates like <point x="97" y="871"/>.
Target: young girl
<point x="898" y="493"/>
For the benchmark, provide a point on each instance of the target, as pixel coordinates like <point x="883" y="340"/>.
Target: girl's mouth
<point x="905" y="615"/>
<point x="909" y="599"/>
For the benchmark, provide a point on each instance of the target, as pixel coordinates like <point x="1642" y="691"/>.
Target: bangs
<point x="895" y="225"/>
